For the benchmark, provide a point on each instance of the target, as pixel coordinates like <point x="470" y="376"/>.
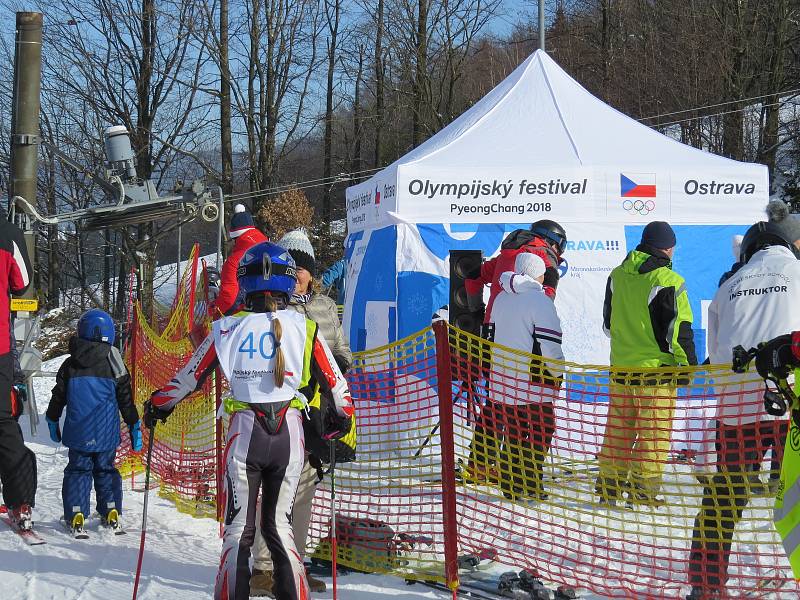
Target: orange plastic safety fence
<point x="184" y="450"/>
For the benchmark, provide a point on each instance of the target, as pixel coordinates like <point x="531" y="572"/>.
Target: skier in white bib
<point x="269" y="356"/>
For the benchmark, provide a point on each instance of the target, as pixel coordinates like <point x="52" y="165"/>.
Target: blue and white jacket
<point x="95" y="387"/>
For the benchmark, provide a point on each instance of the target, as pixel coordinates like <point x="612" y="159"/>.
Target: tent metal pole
<point x="541" y="25"/>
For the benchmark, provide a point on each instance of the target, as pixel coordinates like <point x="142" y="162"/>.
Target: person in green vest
<point x="775" y="361"/>
<point x="648" y="318"/>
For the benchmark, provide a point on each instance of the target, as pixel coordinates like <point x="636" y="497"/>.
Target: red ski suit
<point x="229" y="284"/>
<point x="493" y="268"/>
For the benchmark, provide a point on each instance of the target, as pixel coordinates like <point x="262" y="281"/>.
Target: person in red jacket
<point x="546" y="239"/>
<point x="17" y="462"/>
<point x="245" y="235"/>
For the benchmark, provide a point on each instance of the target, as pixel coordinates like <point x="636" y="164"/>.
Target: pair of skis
<point x="475" y="582"/>
<point x="79" y="532"/>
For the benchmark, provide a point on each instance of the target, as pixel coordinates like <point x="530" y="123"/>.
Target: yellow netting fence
<point x="629" y="483"/>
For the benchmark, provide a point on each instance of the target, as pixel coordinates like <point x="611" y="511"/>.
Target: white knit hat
<point x="529" y="264"/>
<point x="299" y="246"/>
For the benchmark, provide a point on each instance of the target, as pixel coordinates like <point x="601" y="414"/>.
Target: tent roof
<point x="539" y="115"/>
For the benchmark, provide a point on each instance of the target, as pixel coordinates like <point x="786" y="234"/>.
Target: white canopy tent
<point x="539" y="146"/>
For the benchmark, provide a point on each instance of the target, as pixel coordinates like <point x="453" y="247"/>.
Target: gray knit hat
<point x="778" y="213"/>
<point x="299" y="246"/>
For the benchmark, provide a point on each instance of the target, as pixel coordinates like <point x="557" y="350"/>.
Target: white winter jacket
<point x="526" y="320"/>
<point x="759" y="302"/>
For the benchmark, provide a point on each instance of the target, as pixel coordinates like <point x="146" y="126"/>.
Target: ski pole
<point x="334" y="547"/>
<point x="144" y="509"/>
<point x="435" y="428"/>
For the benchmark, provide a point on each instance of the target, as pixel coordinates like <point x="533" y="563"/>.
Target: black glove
<point x="337" y="426"/>
<point x="152" y="413"/>
<point x="774" y="358"/>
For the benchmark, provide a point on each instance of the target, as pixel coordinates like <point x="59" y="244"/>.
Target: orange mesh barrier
<point x="629" y="483"/>
<point x="185" y="447"/>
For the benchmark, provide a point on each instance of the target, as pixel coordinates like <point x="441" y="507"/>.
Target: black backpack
<point x="517" y="239"/>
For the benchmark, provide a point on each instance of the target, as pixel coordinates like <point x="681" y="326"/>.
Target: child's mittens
<point x="55" y="430"/>
<point x="136" y="436"/>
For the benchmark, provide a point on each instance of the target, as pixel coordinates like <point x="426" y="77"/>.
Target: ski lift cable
<point x="717" y="105"/>
<point x="359" y="175"/>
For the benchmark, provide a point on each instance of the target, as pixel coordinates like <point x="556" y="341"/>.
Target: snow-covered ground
<point x="181" y="554"/>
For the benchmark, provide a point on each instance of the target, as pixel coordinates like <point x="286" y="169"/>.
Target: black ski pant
<point x="739" y="449"/>
<point x="17" y="461"/>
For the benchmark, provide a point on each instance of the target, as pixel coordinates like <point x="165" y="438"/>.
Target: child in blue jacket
<point x="95" y="387"/>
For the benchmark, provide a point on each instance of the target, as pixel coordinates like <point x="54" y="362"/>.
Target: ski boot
<point x="642" y="495"/>
<point x="76" y="527"/>
<point x="21" y="517"/>
<point x="111" y="520"/>
<point x="530" y="583"/>
<point x="565" y="592"/>
<point x="509" y="587"/>
<point x="699" y="593"/>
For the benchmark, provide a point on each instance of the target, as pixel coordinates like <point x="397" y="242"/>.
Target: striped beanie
<point x="299" y="246"/>
<point x="241" y="221"/>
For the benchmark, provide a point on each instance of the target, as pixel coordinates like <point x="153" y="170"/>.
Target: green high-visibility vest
<point x="787" y="502"/>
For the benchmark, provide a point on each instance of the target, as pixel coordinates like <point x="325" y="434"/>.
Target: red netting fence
<point x="629" y="484"/>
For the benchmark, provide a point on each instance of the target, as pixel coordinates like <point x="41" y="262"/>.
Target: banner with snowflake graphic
<point x="398" y="277"/>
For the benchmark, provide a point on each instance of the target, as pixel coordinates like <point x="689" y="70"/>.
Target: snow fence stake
<point x="445" y="392"/>
<point x="144" y="509"/>
<point x="334" y="545"/>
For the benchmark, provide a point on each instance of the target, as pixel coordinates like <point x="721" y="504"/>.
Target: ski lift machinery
<point x="135" y="201"/>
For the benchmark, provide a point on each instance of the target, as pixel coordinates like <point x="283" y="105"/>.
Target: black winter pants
<point x="17" y="461"/>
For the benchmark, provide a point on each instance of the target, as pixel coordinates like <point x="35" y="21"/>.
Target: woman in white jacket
<point x="525" y="323"/>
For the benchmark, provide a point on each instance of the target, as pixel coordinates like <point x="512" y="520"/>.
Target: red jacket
<point x="493" y="268"/>
<point x="15" y="276"/>
<point x="229" y="285"/>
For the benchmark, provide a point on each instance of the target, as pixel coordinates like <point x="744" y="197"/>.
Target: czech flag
<point x="377" y="195"/>
<point x="637" y="185"/>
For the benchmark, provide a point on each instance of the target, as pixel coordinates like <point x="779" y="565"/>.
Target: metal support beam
<point x="25" y="110"/>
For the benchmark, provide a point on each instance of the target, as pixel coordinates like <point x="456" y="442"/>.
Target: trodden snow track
<point x="180" y="560"/>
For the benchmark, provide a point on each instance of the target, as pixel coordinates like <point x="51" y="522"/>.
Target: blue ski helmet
<point x="96" y="325"/>
<point x="266" y="267"/>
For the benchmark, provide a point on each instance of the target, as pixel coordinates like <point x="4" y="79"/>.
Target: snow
<point x="181" y="553"/>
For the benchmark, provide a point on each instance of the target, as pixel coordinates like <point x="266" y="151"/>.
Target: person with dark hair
<point x="758" y="303"/>
<point x="270" y="356"/>
<point x="547" y="240"/>
<point x="94" y="386"/>
<point x="244" y="234"/>
<point x="646" y="314"/>
<point x="17" y="462"/>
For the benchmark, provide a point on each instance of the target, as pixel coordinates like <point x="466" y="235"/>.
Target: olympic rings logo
<point x="643" y="207"/>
